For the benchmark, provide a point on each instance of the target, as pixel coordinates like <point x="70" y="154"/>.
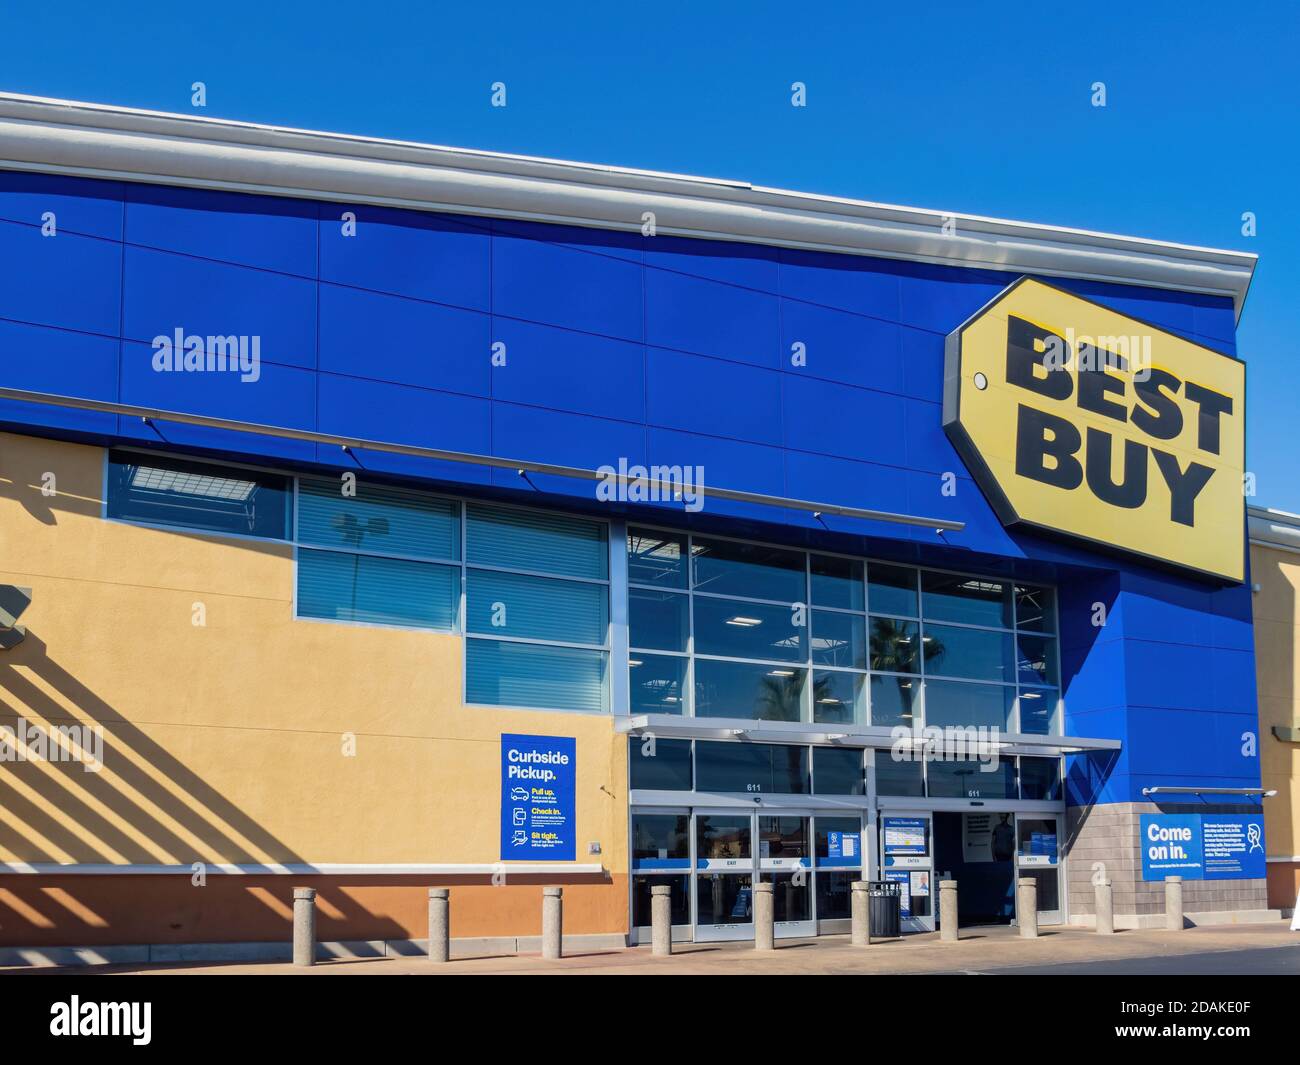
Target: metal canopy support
<point x="939" y="525"/>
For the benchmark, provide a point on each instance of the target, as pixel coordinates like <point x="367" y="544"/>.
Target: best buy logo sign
<point x="1079" y="420"/>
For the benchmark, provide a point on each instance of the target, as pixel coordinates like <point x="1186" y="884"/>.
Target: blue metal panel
<point x="747" y="265"/>
<point x="165" y="291"/>
<point x="403" y="341"/>
<point x="843" y="421"/>
<point x="260" y="231"/>
<point x="711" y="318"/>
<point x="562" y="369"/>
<point x="851" y="283"/>
<point x="434" y="257"/>
<point x="69" y="281"/>
<point x="841" y="346"/>
<point x="556" y="285"/>
<point x="683" y="392"/>
<point x="91" y="208"/>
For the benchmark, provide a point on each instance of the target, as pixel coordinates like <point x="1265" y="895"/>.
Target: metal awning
<point x="744" y="730"/>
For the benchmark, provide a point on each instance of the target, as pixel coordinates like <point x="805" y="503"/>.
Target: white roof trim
<point x="1273" y="528"/>
<point x="97" y="140"/>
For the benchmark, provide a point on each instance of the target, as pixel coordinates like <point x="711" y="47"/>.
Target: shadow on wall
<point x="146" y="807"/>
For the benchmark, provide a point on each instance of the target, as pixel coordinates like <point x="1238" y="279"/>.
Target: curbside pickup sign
<point x="1079" y="420"/>
<point x="1203" y="846"/>
<point x="537" y="790"/>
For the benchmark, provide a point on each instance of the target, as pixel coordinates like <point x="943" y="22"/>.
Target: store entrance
<point x="978" y="850"/>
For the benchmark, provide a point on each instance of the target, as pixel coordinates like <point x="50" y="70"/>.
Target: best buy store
<point x="400" y="516"/>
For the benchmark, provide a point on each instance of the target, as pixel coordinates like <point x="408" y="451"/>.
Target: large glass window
<point x="375" y="554"/>
<point x="838" y="771"/>
<point x="752" y="768"/>
<point x="536" y="609"/>
<point x="197" y="495"/>
<point x="774" y="634"/>
<point x="661" y="765"/>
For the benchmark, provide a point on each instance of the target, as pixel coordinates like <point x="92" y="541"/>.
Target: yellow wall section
<point x="223" y="742"/>
<point x="1277" y="665"/>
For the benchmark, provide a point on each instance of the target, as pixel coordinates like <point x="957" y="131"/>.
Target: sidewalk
<point x="980" y="950"/>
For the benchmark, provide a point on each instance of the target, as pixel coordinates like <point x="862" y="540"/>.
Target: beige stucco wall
<point x="224" y="740"/>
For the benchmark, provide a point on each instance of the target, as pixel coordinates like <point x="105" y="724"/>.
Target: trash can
<point x="884" y="904"/>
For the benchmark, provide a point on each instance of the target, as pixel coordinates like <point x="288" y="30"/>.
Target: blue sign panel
<point x="842" y="848"/>
<point x="905" y="835"/>
<point x="904" y="880"/>
<point x="537" y="788"/>
<point x="1203" y="846"/>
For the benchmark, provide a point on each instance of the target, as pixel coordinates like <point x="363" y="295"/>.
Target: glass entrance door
<point x="724" y="875"/>
<point x="785" y="859"/>
<point x="1038" y="855"/>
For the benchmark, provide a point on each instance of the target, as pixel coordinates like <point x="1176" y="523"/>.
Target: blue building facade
<point x="787" y="371"/>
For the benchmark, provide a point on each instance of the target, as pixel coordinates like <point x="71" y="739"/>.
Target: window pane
<point x="542" y="543"/>
<point x="833" y="890"/>
<point x="791" y="901"/>
<point x="970" y="600"/>
<point x="1039" y="711"/>
<point x="839" y="698"/>
<point x="892" y="589"/>
<point x="197" y="495"/>
<point x="1036" y="659"/>
<point x="898" y="776"/>
<point x="895" y="646"/>
<point x="974" y="653"/>
<point x="748" y="630"/>
<point x="386" y="591"/>
<point x="679" y="898"/>
<point x="838" y="771"/>
<point x="1040" y="778"/>
<point x="1036" y="837"/>
<point x="723" y="898"/>
<point x="534" y="675"/>
<point x="658" y="620"/>
<point x="727" y="568"/>
<point x="378" y="519"/>
<point x="723" y="836"/>
<point x="738" y="689"/>
<point x="660" y="839"/>
<point x="839" y="639"/>
<point x="837" y="582"/>
<point x="1036" y="609"/>
<point x="967" y="779"/>
<point x="751" y="768"/>
<point x="893" y="700"/>
<point x="657" y="684"/>
<point x="656" y="558"/>
<point x="949" y="702"/>
<point x="663" y="766"/>
<point x="542" y="608"/>
<point x="783" y="837"/>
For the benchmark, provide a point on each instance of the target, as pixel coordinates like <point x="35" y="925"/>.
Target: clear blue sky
<point x="930" y="104"/>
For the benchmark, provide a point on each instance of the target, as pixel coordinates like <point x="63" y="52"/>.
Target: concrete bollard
<point x="764" y="928"/>
<point x="661" y="919"/>
<point x="1027" y="907"/>
<point x="1105" y="909"/>
<point x="860" y="913"/>
<point x="304" y="926"/>
<point x="439" y="924"/>
<point x="552" y="922"/>
<point x="948" y="911"/>
<point x="1174" y="903"/>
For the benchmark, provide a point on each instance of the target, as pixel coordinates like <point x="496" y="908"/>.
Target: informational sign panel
<point x="537" y="798"/>
<point x="1080" y="420"/>
<point x="906" y="841"/>
<point x="1203" y="846"/>
<point x="904" y="880"/>
<point x="843" y="848"/>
